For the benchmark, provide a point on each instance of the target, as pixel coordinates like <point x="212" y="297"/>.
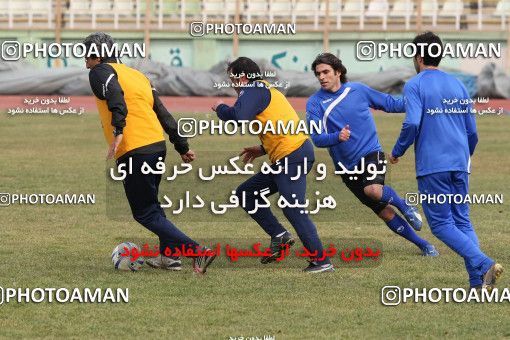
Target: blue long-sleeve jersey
<point x="350" y="105"/>
<point x="251" y="101"/>
<point x="439" y="123"/>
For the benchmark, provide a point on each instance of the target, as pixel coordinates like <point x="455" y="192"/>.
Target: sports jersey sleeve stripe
<point x="323" y="139"/>
<point x="105" y="88"/>
<point x="102" y="76"/>
<point x="332" y="106"/>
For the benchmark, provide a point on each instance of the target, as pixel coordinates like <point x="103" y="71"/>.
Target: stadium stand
<point x="502" y="10"/>
<point x="282" y="10"/>
<point x="402" y="9"/>
<point x="354" y="9"/>
<point x="101" y="11"/>
<point x="454" y="9"/>
<point x="78" y="9"/>
<point x="308" y="15"/>
<point x="378" y="9"/>
<point x="125" y="10"/>
<point x="40" y="10"/>
<point x="257" y="9"/>
<point x="335" y="9"/>
<point x="307" y="11"/>
<point x="213" y="9"/>
<point x="429" y="10"/>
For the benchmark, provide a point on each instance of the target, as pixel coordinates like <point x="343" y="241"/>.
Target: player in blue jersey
<point x="349" y="133"/>
<point x="443" y="144"/>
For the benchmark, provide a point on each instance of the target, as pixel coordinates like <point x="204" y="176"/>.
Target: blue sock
<point x="399" y="226"/>
<point x="391" y="197"/>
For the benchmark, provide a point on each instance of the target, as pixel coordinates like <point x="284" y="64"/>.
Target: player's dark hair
<point x="333" y="61"/>
<point x="244" y="65"/>
<point x="98" y="39"/>
<point x="426" y="39"/>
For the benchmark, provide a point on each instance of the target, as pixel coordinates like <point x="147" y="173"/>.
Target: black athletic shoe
<point x="276" y="245"/>
<point x="201" y="263"/>
<point x="313" y="268"/>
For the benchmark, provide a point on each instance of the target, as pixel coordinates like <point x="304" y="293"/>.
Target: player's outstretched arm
<point x="105" y="86"/>
<point x="414" y="109"/>
<point x="251" y="102"/>
<point x="170" y="126"/>
<point x="383" y="101"/>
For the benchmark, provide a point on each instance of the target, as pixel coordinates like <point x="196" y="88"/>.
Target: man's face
<point x="328" y="78"/>
<point x="91" y="62"/>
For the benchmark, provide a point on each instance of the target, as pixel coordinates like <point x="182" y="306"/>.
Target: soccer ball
<point x="125" y="262"/>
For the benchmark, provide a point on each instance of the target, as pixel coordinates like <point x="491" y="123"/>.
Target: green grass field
<point x="70" y="246"/>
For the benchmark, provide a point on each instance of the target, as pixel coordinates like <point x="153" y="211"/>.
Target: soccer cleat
<point x="163" y="262"/>
<point x="414" y="218"/>
<point x="276" y="245"/>
<point x="430" y="250"/>
<point x="491" y="276"/>
<point x="201" y="263"/>
<point x="314" y="268"/>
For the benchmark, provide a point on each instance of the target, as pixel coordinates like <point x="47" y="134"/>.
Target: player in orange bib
<point x="259" y="101"/>
<point x="133" y="120"/>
